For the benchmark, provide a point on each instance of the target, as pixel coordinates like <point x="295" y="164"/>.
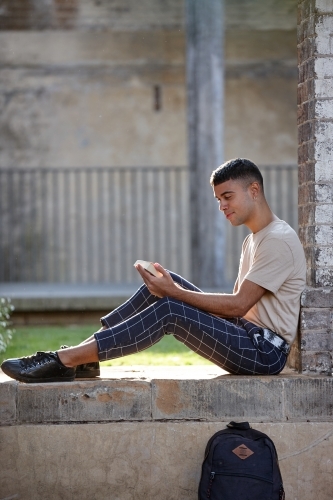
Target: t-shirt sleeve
<point x="272" y="264"/>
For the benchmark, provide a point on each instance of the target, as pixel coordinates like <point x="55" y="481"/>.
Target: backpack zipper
<point x="213" y="474"/>
<point x="252" y="476"/>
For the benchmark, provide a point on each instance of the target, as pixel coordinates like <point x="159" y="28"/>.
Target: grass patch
<point x="29" y="339"/>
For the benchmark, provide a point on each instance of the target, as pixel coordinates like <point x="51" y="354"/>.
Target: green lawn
<point x="29" y="339"/>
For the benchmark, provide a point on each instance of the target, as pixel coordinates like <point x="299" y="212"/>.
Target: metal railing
<point x="89" y="225"/>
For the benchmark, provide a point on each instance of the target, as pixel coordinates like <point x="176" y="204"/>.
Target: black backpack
<point x="240" y="464"/>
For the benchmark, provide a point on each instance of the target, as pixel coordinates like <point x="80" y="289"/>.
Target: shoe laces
<point x="39" y="358"/>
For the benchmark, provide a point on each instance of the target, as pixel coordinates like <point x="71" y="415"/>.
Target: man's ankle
<point x="63" y="358"/>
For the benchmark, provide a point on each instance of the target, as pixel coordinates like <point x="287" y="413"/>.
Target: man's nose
<point x="222" y="206"/>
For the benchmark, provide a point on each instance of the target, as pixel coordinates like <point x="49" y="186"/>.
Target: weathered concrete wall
<point x="315" y="158"/>
<point x="78" y="80"/>
<point x="144" y="439"/>
<point x="88" y="99"/>
<point x="146" y="461"/>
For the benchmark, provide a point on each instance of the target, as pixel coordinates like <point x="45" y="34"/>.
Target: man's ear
<point x="254" y="189"/>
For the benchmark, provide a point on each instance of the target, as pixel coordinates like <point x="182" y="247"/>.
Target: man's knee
<point x="169" y="307"/>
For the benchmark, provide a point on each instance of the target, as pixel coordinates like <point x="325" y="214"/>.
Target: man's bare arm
<point x="225" y="305"/>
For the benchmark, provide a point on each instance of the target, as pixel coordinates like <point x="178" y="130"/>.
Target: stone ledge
<point x="35" y="297"/>
<point x="282" y="398"/>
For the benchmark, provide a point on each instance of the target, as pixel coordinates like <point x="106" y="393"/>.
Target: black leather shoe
<point x="88" y="370"/>
<point x="40" y="367"/>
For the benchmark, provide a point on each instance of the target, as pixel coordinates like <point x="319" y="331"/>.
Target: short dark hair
<point x="237" y="169"/>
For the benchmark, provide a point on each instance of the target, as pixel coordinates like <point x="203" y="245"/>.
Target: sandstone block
<point x="91" y="401"/>
<point x="316" y="341"/>
<point x="324" y="170"/>
<point x="318" y="363"/>
<point x="8" y="392"/>
<point x="324" y="110"/>
<point x="324" y="277"/>
<point x="323" y="67"/>
<point x="324" y="25"/>
<point x="324" y="151"/>
<point x="322" y="87"/>
<point x="324" y="257"/>
<point x="229" y="397"/>
<point x="315" y="319"/>
<point x="324" y="5"/>
<point x="309" y="398"/>
<point x="323" y="194"/>
<point x="323" y="235"/>
<point x="324" y="214"/>
<point x="324" y="134"/>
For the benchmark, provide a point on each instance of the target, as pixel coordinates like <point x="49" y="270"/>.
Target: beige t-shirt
<point x="274" y="259"/>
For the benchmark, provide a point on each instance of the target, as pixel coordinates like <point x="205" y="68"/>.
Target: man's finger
<point x="144" y="273"/>
<point x="161" y="269"/>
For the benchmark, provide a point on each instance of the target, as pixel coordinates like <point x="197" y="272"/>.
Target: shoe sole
<point x="88" y="374"/>
<point x="46" y="380"/>
<point x="40" y="380"/>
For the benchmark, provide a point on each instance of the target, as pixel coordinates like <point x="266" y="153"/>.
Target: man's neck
<point x="262" y="218"/>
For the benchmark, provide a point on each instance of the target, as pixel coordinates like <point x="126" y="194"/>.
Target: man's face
<point x="236" y="201"/>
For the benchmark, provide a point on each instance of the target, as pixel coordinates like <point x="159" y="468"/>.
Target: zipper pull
<point x="212" y="475"/>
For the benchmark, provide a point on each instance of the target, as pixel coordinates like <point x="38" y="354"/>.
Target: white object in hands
<point x="149" y="266"/>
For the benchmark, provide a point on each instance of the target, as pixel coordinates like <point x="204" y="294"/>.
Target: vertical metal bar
<point x="11" y="225"/>
<point x="117" y="224"/>
<point x="139" y="217"/>
<point x="129" y="226"/>
<point x="109" y="231"/>
<point x="66" y="241"/>
<point x="4" y="224"/>
<point x="133" y="226"/>
<point x="156" y="211"/>
<point x="55" y="225"/>
<point x="83" y="210"/>
<point x="89" y="222"/>
<point x="159" y="202"/>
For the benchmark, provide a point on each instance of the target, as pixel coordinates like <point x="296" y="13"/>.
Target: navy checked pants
<point x="144" y="319"/>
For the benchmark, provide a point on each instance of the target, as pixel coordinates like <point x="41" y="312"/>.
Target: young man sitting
<point x="248" y="332"/>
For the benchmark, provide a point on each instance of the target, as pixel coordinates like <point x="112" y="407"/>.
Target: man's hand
<point x="162" y="286"/>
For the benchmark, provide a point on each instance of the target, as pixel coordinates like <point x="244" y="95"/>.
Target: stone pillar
<point x="315" y="159"/>
<point x="205" y="90"/>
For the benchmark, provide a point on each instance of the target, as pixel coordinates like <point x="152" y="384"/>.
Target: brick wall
<point x="315" y="159"/>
